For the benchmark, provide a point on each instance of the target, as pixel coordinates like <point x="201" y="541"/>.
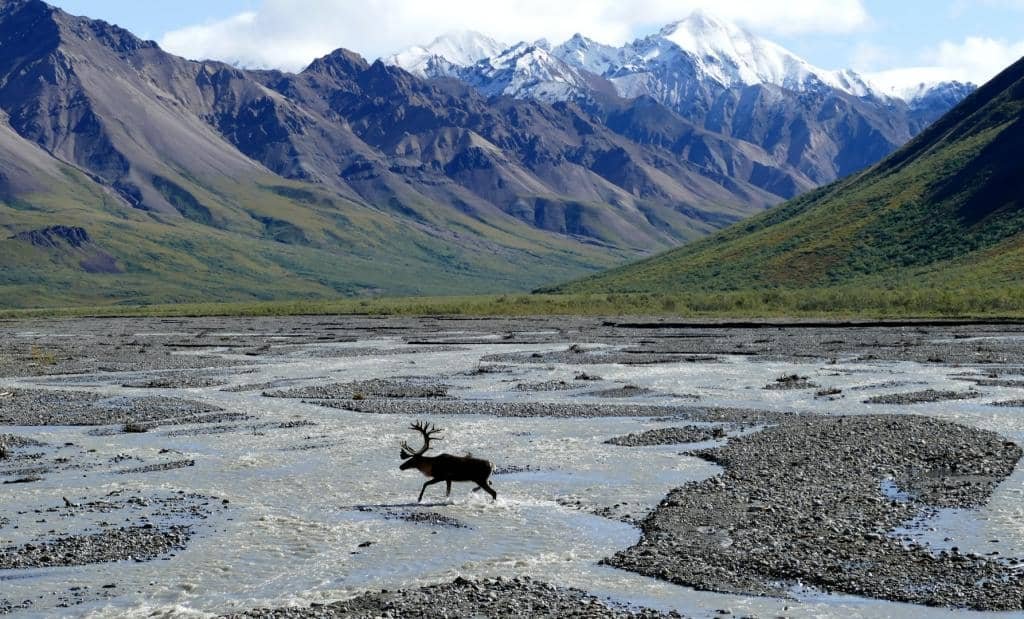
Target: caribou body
<point x="444" y="467"/>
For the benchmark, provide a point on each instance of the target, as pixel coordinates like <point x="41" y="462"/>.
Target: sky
<point x="895" y="42"/>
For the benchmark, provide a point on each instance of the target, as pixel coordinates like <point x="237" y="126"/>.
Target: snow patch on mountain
<point x="579" y="51"/>
<point x="917" y="83"/>
<point x="733" y="57"/>
<point x="445" y="54"/>
<point x="527" y="70"/>
<point x="697" y="55"/>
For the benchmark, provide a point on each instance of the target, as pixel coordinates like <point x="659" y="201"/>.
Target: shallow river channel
<point x="307" y="504"/>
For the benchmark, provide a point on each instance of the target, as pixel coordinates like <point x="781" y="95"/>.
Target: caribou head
<point x="444" y="467"/>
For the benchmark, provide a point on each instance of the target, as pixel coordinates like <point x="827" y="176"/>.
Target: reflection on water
<point x="300" y="519"/>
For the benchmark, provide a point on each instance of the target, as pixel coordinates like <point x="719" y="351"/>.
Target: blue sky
<point x="955" y="39"/>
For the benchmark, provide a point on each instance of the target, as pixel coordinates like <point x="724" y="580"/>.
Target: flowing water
<point x="305" y="500"/>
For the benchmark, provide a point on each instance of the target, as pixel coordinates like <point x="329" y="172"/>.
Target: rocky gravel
<point x="668" y="436"/>
<point x="800" y="502"/>
<point x="795" y="340"/>
<point x="416" y="516"/>
<point x="138" y="543"/>
<point x="33" y="407"/>
<point x="997" y="382"/>
<point x="347" y="352"/>
<point x="13" y="441"/>
<point x="569" y="410"/>
<point x="249" y="387"/>
<point x="548" y="385"/>
<point x="922" y="397"/>
<point x="374" y="388"/>
<point x="260" y="428"/>
<point x="176" y="382"/>
<point x="501" y="597"/>
<point x="790" y="381"/>
<point x="32" y="347"/>
<point x="625" y="391"/>
<point x="586" y="357"/>
<point x="511" y="469"/>
<point x="498" y="409"/>
<point x="159" y="466"/>
<point x="40" y="407"/>
<point x="7" y="606"/>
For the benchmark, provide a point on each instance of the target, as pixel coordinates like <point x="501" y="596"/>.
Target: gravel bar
<point x="374" y="388"/>
<point x="161" y="466"/>
<point x="564" y="410"/>
<point x="498" y="409"/>
<point x="37" y="407"/>
<point x="626" y="391"/>
<point x="139" y="543"/>
<point x="922" y="397"/>
<point x="668" y="436"/>
<point x="501" y="597"/>
<point x="800" y="502"/>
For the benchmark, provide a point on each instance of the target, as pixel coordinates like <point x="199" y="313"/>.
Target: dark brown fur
<point x="445" y="467"/>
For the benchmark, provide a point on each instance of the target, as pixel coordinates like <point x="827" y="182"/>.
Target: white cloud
<point x="979" y="58"/>
<point x="867" y="56"/>
<point x="976" y="59"/>
<point x="288" y="34"/>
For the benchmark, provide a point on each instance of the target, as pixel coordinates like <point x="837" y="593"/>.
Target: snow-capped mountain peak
<point x="734" y="56"/>
<point x="527" y="70"/>
<point x="588" y="54"/>
<point x="690" y="60"/>
<point x="446" y="52"/>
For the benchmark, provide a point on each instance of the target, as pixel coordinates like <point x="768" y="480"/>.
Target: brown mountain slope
<point x="945" y="210"/>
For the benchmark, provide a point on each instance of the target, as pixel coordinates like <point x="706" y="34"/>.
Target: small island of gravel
<point x="800" y="502"/>
<point x="499" y="597"/>
<point x="668" y="436"/>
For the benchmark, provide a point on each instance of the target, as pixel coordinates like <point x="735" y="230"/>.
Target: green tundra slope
<point x="247" y="239"/>
<point x="944" y="211"/>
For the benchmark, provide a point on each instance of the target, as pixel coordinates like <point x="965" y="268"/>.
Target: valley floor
<point x="247" y="467"/>
<point x="834" y="305"/>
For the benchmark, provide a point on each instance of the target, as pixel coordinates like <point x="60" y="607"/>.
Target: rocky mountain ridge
<point x="721" y="77"/>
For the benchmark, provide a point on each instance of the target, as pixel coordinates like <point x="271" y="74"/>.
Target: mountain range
<point x="133" y="175"/>
<point x="944" y="211"/>
<point x="714" y="74"/>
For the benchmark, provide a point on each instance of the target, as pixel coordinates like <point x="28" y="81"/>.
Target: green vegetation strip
<point x="833" y="303"/>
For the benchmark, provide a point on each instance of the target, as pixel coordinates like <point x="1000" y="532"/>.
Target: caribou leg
<point x="488" y="489"/>
<point x="448" y="492"/>
<point x="425" y="484"/>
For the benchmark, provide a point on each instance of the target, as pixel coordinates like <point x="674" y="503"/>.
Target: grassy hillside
<point x="944" y="211"/>
<point x="259" y="239"/>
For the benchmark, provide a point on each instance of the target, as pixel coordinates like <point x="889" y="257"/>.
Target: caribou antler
<point x="444" y="467"/>
<point x="428" y="431"/>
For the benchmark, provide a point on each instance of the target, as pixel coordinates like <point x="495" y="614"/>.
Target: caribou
<point x="444" y="467"/>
